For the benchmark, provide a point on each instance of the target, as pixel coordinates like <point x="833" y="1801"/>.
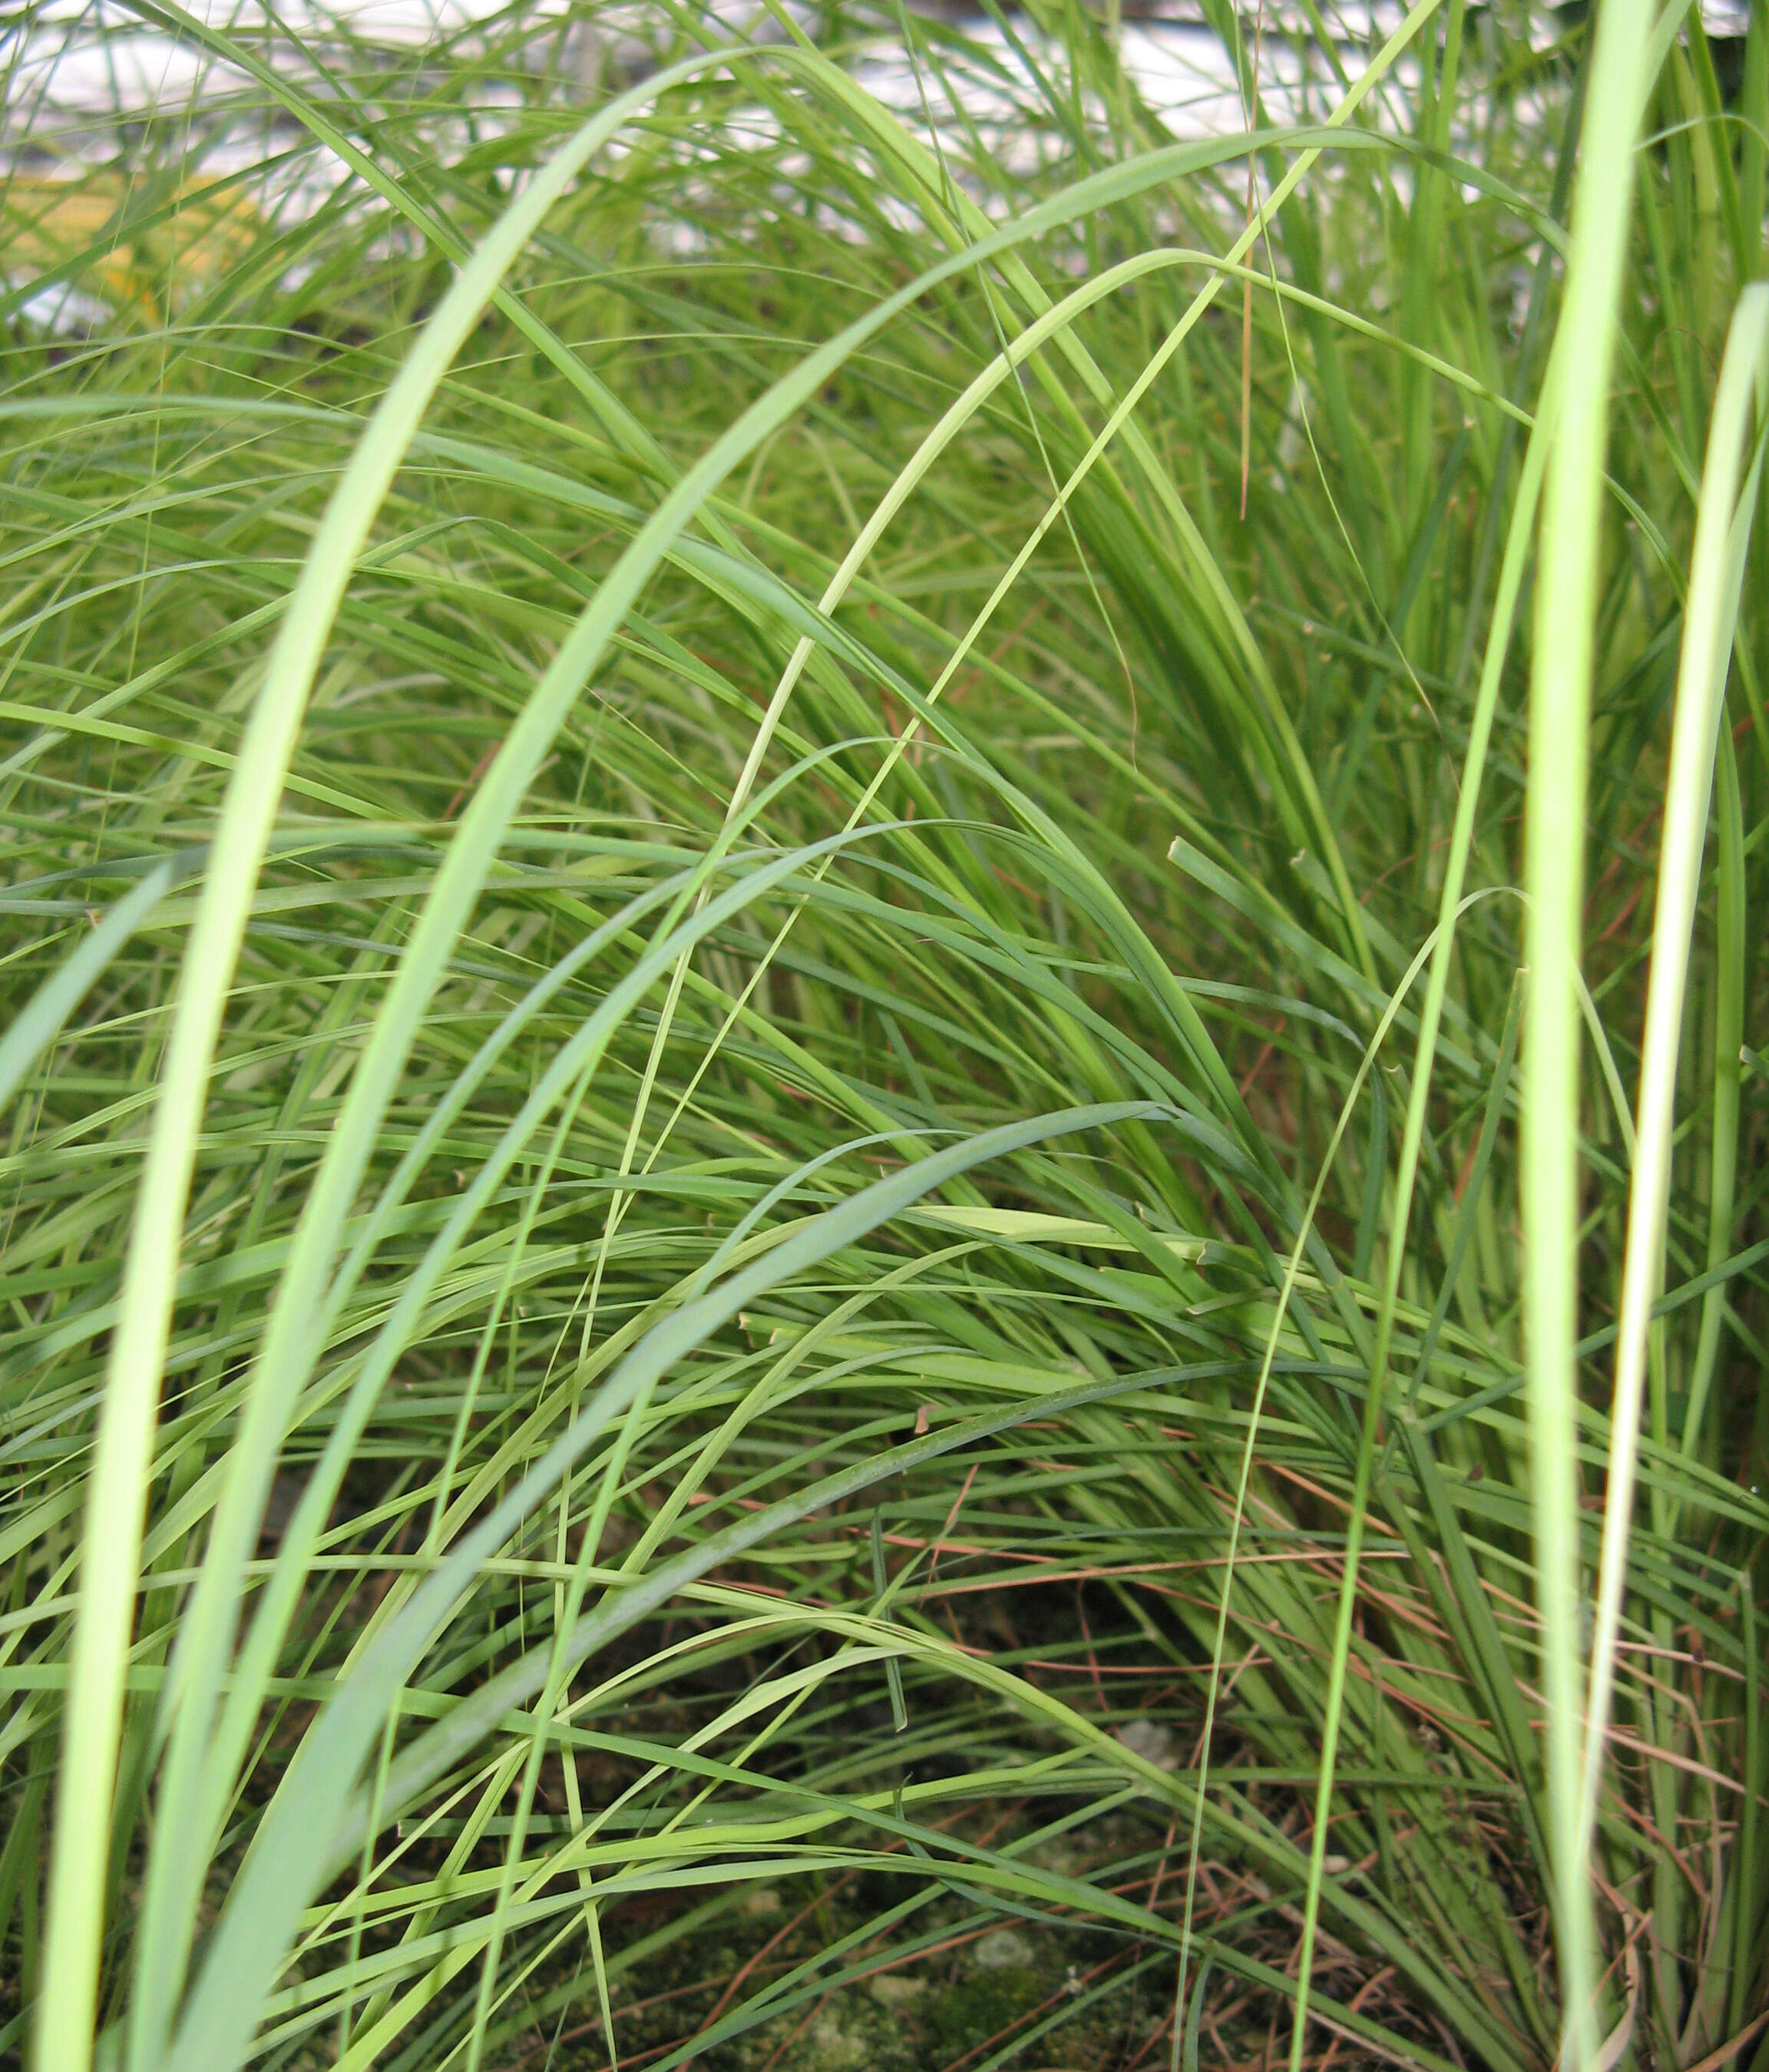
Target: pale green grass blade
<point x="1730" y="988"/>
<point x="1576" y="385"/>
<point x="118" y="1495"/>
<point x="1724" y="520"/>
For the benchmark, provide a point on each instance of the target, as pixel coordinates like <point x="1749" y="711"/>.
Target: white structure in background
<point x="60" y="69"/>
<point x="81" y="74"/>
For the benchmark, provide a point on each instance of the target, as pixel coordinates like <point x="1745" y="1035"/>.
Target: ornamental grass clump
<point x="884" y="1053"/>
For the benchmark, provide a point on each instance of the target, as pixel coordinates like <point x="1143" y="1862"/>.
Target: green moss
<point x="981" y="2006"/>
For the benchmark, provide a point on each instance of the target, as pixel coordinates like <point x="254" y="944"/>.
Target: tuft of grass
<point x="834" y="1233"/>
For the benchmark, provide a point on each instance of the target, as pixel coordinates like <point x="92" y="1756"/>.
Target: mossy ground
<point x="982" y="1992"/>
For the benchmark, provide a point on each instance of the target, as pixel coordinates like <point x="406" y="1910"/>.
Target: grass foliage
<point x="873" y="957"/>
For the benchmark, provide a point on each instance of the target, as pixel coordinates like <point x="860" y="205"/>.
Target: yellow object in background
<point x="135" y="244"/>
